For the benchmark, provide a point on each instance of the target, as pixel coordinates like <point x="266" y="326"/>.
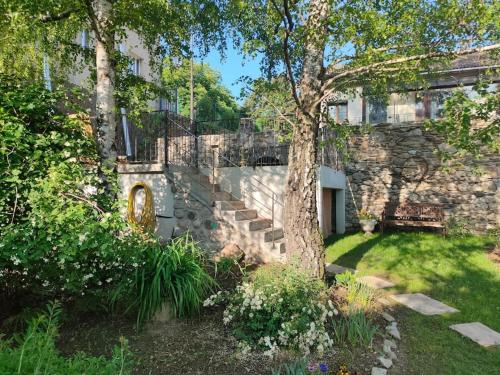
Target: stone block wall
<point x="398" y="163"/>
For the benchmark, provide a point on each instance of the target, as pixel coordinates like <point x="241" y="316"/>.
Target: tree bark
<point x="304" y="242"/>
<point x="105" y="84"/>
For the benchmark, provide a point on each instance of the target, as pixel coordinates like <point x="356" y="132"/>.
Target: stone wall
<point x="398" y="163"/>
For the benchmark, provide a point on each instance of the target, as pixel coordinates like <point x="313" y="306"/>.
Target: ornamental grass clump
<point x="279" y="307"/>
<point x="174" y="274"/>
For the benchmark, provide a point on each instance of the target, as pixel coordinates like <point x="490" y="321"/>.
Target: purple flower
<point x="311" y="366"/>
<point x="323" y="367"/>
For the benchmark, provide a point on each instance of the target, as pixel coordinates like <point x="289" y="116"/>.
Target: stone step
<point x="268" y="235"/>
<point x="279" y="246"/>
<point x="245" y="215"/>
<point x="259" y="224"/>
<point x="230" y="205"/>
<point x="223" y="196"/>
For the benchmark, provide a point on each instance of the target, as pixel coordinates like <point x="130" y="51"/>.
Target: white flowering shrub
<point x="66" y="247"/>
<point x="279" y="308"/>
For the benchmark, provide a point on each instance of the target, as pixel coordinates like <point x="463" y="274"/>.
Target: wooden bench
<point x="412" y="214"/>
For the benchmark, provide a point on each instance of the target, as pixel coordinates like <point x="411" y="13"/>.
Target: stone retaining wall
<point x="398" y="163"/>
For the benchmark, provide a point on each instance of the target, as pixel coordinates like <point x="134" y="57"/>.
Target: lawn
<point x="456" y="271"/>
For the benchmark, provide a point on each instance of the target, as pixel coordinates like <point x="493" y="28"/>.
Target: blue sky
<point x="233" y="67"/>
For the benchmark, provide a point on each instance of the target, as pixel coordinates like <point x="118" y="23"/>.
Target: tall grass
<point x="359" y="296"/>
<point x="173" y="274"/>
<point x="355" y="329"/>
<point x="35" y="352"/>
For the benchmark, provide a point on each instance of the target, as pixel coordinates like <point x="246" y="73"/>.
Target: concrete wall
<point x="329" y="178"/>
<point x="255" y="186"/>
<point x="163" y="196"/>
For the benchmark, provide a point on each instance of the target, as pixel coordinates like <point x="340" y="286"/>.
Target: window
<point x="377" y="110"/>
<point x="437" y="99"/>
<point x="337" y="112"/>
<point x="84" y="39"/>
<point x="135" y="66"/>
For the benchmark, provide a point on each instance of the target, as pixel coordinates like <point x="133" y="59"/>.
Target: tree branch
<point x="287" y="20"/>
<point x="93" y="20"/>
<point x="400" y="60"/>
<point x="85" y="200"/>
<point x="55" y="17"/>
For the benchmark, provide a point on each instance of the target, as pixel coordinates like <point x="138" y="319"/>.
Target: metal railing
<point x="183" y="148"/>
<point x="141" y="140"/>
<point x="254" y="182"/>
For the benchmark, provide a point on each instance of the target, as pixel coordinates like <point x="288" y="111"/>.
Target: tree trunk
<point x="105" y="84"/>
<point x="304" y="242"/>
<point x="303" y="238"/>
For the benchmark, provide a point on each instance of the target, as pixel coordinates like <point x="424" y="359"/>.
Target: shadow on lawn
<point x="455" y="271"/>
<point x="354" y="256"/>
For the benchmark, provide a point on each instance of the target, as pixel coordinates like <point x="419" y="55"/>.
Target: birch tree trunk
<point x="105" y="84"/>
<point x="304" y="242"/>
<point x="303" y="238"/>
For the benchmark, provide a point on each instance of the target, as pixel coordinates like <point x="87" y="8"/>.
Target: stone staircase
<point x="254" y="234"/>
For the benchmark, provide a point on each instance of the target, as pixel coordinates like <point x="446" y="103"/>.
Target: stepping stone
<point x="375" y="282"/>
<point x="386" y="362"/>
<point x="423" y="304"/>
<point x="378" y="371"/>
<point x="478" y="332"/>
<point x="336" y="269"/>
<point x="388" y="317"/>
<point x="392" y="329"/>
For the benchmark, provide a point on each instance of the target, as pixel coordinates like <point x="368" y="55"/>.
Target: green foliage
<point x="279" y="307"/>
<point x="457" y="226"/>
<point x="67" y="245"/>
<point x="61" y="235"/>
<point x="35" y="352"/>
<point x="359" y="296"/>
<point x="293" y="368"/>
<point x="469" y="124"/>
<point x="270" y="103"/>
<point x="355" y="329"/>
<point x="212" y="100"/>
<point x="68" y="239"/>
<point x="34" y="136"/>
<point x="174" y="273"/>
<point x="32" y="30"/>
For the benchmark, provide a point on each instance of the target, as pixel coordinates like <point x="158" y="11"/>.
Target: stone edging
<point x="392" y="335"/>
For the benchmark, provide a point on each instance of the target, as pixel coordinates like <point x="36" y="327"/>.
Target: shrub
<point x="356" y="301"/>
<point x="172" y="273"/>
<point x="35" y="353"/>
<point x="359" y="297"/>
<point x="279" y="307"/>
<point x="67" y="246"/>
<point x="355" y="329"/>
<point x="34" y="135"/>
<point x="457" y="226"/>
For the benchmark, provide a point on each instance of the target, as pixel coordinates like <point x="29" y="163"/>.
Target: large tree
<point x="327" y="46"/>
<point x="33" y="31"/>
<point x="212" y="99"/>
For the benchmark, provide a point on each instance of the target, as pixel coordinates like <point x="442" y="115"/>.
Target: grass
<point x="455" y="271"/>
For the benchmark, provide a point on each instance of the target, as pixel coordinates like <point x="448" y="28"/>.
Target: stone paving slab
<point x="478" y="332"/>
<point x="336" y="269"/>
<point x="375" y="282"/>
<point x="423" y="304"/>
